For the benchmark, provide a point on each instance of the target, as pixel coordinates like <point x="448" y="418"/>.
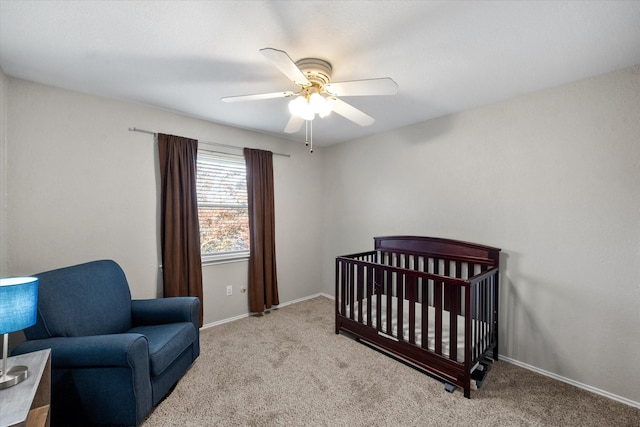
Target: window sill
<point x="225" y="258"/>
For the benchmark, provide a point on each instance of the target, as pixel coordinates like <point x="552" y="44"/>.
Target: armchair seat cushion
<point x="166" y="342"/>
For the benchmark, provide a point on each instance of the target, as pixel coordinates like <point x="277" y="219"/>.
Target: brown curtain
<point x="179" y="227"/>
<point x="263" y="282"/>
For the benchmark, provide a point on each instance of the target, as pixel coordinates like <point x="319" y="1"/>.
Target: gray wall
<point x="552" y="178"/>
<point x="81" y="187"/>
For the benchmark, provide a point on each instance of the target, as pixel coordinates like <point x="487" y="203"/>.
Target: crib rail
<point x="460" y="291"/>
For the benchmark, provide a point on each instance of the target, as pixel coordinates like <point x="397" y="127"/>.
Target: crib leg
<point x="450" y="388"/>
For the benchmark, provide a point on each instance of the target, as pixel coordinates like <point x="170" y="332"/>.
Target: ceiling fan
<point x="317" y="95"/>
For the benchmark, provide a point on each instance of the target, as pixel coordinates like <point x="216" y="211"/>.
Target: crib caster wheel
<point x="478" y="376"/>
<point x="450" y="388"/>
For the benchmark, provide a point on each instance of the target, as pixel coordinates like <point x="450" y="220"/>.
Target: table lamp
<point x="18" y="307"/>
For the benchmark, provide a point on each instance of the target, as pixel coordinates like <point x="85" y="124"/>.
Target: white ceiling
<point x="446" y="56"/>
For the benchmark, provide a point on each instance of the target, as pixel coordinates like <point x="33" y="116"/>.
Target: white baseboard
<point x="300" y="300"/>
<point x="572" y="382"/>
<point x="223" y="321"/>
<point x="242" y="316"/>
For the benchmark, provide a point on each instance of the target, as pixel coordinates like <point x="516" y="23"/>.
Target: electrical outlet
<point x="229" y="290"/>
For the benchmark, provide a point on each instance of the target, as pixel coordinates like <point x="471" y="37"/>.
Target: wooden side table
<point x="28" y="403"/>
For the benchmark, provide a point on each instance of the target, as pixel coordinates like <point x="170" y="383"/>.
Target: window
<point x="222" y="206"/>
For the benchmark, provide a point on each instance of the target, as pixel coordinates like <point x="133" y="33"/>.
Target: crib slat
<point x="411" y="296"/>
<point x="370" y="291"/>
<point x="359" y="287"/>
<point x="438" y="315"/>
<point x="400" y="305"/>
<point x="477" y="310"/>
<point x="491" y="301"/>
<point x="379" y="294"/>
<point x="488" y="313"/>
<point x="425" y="314"/>
<point x="454" y="309"/>
<point x="449" y="305"/>
<point x="389" y="293"/>
<point x="467" y="326"/>
<point x="447" y="297"/>
<point x="484" y="303"/>
<point x="427" y="300"/>
<point x="343" y="288"/>
<point x="350" y="280"/>
<point x="484" y="306"/>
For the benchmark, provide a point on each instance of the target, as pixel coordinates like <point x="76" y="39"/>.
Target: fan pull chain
<point x="308" y="134"/>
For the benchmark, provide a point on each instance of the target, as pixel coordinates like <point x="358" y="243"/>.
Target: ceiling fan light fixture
<point x="316" y="101"/>
<point x="301" y="108"/>
<point x="320" y="105"/>
<point x="326" y="107"/>
<point x="307" y="106"/>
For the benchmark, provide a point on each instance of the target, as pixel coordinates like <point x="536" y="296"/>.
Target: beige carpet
<point x="289" y="368"/>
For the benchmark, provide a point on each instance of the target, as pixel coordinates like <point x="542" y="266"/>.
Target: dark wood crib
<point x="431" y="302"/>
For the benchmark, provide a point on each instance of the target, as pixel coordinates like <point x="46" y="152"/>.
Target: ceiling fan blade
<point x="281" y="59"/>
<point x="256" y="97"/>
<point x="382" y="86"/>
<point x="294" y="124"/>
<point x="352" y="113"/>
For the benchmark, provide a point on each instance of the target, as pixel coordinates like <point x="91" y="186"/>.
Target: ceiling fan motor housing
<point x="317" y="71"/>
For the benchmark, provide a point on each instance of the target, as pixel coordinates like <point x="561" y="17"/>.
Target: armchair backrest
<point x="81" y="300"/>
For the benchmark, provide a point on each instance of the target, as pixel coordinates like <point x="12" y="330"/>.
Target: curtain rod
<point x="217" y="144"/>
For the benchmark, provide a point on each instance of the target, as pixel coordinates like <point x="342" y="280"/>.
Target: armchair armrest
<point x="97" y="351"/>
<point x="165" y="310"/>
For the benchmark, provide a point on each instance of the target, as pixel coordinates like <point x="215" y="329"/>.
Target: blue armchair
<point x="113" y="358"/>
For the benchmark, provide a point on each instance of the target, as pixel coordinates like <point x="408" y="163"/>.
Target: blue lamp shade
<point x="18" y="303"/>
